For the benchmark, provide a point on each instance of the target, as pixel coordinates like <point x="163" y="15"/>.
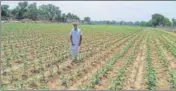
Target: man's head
<point x="75" y="25"/>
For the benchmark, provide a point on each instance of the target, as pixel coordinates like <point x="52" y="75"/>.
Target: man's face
<point x="75" y="26"/>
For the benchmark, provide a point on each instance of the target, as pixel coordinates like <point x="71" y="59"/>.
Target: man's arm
<point x="80" y="39"/>
<point x="71" y="39"/>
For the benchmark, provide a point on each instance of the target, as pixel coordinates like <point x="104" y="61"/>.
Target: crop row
<point x="151" y="77"/>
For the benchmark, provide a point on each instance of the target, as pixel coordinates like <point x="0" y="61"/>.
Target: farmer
<point x="75" y="39"/>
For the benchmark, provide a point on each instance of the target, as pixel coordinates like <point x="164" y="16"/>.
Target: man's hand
<point x="80" y="40"/>
<point x="71" y="40"/>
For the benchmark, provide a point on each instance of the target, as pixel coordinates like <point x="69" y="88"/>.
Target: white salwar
<point x="76" y="39"/>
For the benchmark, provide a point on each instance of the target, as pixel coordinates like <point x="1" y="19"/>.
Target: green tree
<point x="20" y="11"/>
<point x="137" y="23"/>
<point x="5" y="11"/>
<point x="149" y="23"/>
<point x="42" y="11"/>
<point x="174" y="22"/>
<point x="48" y="11"/>
<point x="75" y="17"/>
<point x="167" y="22"/>
<point x="58" y="14"/>
<point x="72" y="17"/>
<point x="143" y="23"/>
<point x="87" y="20"/>
<point x="32" y="11"/>
<point x="122" y="22"/>
<point x="16" y="12"/>
<point x="63" y="17"/>
<point x="157" y="19"/>
<point x="23" y="9"/>
<point x="69" y="16"/>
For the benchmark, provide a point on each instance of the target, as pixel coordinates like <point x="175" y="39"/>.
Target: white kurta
<point x="76" y="39"/>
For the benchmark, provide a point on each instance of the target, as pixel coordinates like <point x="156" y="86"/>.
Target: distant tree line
<point x="31" y="11"/>
<point x="51" y="13"/>
<point x="156" y="20"/>
<point x="137" y="23"/>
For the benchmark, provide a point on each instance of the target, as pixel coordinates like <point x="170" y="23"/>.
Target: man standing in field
<point x="75" y="39"/>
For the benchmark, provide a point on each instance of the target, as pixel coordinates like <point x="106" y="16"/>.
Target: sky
<point x="111" y="10"/>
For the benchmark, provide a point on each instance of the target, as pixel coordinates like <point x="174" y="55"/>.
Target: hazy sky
<point x="111" y="10"/>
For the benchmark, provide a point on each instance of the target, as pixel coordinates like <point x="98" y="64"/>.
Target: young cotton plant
<point x="8" y="61"/>
<point x="64" y="81"/>
<point x="169" y="45"/>
<point x="150" y="70"/>
<point x="174" y="79"/>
